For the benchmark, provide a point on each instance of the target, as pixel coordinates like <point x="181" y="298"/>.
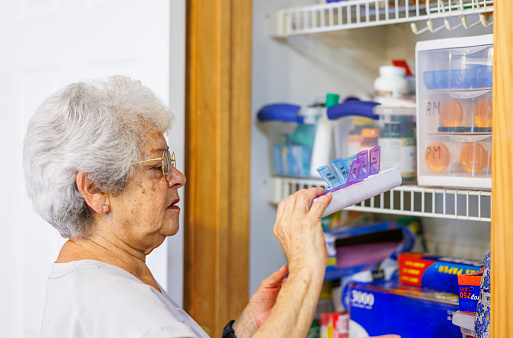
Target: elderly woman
<point x="98" y="169"/>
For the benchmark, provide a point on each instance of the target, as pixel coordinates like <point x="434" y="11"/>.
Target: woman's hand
<point x="260" y="304"/>
<point x="285" y="308"/>
<point x="299" y="231"/>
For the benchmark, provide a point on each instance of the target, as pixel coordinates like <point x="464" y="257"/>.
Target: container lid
<point x="385" y="110"/>
<point x="370" y="132"/>
<point x="392" y="71"/>
<point x="331" y="100"/>
<point x="463" y="320"/>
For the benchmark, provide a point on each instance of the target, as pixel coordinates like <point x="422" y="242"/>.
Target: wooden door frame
<point x="502" y="173"/>
<point x="217" y="131"/>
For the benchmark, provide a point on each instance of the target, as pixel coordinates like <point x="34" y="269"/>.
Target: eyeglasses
<point x="168" y="161"/>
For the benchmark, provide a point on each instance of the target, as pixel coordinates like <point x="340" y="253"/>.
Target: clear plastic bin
<point x="394" y="131"/>
<point x="303" y="139"/>
<point x="291" y="147"/>
<point x="456" y="160"/>
<point x="454" y="112"/>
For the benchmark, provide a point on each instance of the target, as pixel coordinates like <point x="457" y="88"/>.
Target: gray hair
<point x="95" y="126"/>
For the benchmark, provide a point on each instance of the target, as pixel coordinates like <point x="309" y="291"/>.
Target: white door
<point x="45" y="44"/>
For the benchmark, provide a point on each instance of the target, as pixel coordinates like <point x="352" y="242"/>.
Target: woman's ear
<point x="93" y="196"/>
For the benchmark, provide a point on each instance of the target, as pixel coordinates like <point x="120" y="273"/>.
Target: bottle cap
<point x="331" y="100"/>
<point x="391" y="71"/>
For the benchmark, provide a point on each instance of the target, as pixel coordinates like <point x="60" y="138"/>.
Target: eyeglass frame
<point x="172" y="162"/>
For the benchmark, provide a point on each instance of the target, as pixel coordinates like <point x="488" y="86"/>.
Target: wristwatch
<point x="228" y="331"/>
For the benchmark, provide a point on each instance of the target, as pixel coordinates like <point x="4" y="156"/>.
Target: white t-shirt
<point x="88" y="298"/>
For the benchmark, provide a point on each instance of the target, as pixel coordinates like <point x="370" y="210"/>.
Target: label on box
<point x="469" y="295"/>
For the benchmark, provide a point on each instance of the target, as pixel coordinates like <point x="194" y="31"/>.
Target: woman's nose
<point x="177" y="180"/>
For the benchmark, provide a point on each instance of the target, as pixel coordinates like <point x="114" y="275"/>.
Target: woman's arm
<point x="289" y="305"/>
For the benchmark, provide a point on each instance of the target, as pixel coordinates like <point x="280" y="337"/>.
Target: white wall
<point x="49" y="43"/>
<point x="297" y="69"/>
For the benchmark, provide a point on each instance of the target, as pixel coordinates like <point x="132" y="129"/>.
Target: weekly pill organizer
<point x="357" y="178"/>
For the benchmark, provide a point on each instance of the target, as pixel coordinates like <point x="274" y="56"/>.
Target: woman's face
<point x="145" y="213"/>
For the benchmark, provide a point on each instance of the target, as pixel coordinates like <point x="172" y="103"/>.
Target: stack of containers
<point x="454" y="112"/>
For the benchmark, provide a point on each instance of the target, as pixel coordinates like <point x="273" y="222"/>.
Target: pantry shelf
<point x="367" y="13"/>
<point x="410" y="200"/>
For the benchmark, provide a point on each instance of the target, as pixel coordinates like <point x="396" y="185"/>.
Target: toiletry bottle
<point x="390" y="83"/>
<point x="369" y="138"/>
<point x="398" y="146"/>
<point x="323" y="144"/>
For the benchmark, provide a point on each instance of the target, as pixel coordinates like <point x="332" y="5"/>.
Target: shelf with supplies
<point x="474" y="205"/>
<point x="351" y="14"/>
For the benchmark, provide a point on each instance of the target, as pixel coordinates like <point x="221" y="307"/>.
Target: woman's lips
<point x="173" y="205"/>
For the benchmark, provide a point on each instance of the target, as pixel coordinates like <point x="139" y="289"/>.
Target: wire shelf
<point x="410" y="200"/>
<point x="366" y="13"/>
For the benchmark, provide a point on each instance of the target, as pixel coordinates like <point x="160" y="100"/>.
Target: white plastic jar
<point x="390" y="83"/>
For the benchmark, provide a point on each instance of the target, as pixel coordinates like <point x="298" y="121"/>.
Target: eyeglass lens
<point x="166" y="164"/>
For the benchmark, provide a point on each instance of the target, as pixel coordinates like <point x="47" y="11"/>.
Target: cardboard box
<point x="434" y="272"/>
<point x="390" y="308"/>
<point x="469" y="285"/>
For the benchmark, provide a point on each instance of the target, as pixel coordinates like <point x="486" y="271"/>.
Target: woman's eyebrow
<point x="159" y="151"/>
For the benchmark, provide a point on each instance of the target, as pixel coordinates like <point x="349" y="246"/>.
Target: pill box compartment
<point x="452" y="64"/>
<point x="456" y="111"/>
<point x="456" y="160"/>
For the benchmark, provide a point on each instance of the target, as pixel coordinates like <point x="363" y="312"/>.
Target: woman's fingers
<point x="320" y="205"/>
<point x="289" y="204"/>
<point x="304" y="198"/>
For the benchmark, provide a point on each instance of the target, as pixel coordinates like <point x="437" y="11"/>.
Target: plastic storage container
<point x="394" y="130"/>
<point x="454" y="112"/>
<point x="291" y="134"/>
<point x="302" y="139"/>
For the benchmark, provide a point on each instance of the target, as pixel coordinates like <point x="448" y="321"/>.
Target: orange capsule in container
<point x="438" y="157"/>
<point x="483" y="112"/>
<point x="451" y="113"/>
<point x="473" y="157"/>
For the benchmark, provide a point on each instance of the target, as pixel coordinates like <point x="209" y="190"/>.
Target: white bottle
<point x="390" y="83"/>
<point x="323" y="145"/>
